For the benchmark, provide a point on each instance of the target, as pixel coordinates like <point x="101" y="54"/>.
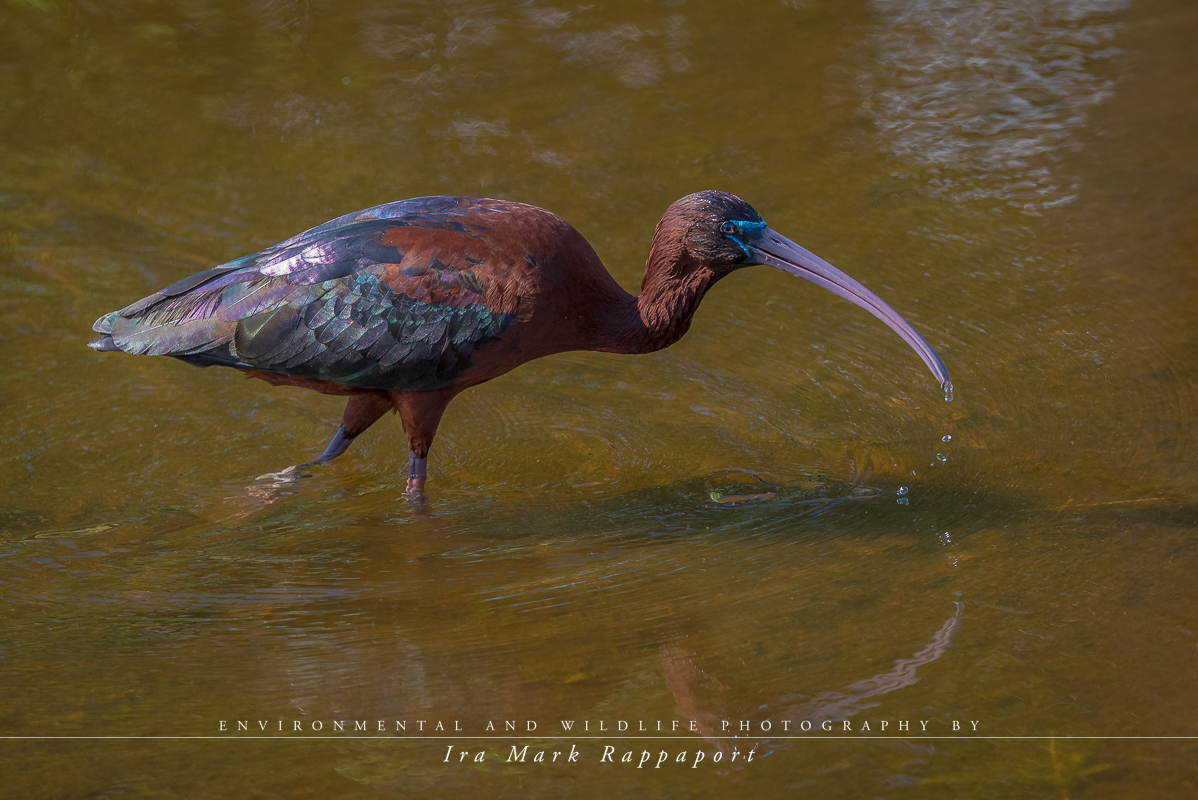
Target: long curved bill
<point x="774" y="250"/>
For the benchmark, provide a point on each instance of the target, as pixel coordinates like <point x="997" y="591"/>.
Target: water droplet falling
<point x="948" y="392"/>
<point x="946" y="438"/>
<point x="941" y="457"/>
<point x="902" y="490"/>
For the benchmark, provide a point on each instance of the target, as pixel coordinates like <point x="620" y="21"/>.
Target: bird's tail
<point x="104" y="324"/>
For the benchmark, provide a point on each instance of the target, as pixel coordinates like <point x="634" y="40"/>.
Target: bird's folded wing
<point x="363" y="301"/>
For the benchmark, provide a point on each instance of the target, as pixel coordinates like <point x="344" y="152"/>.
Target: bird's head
<point x="722" y="233"/>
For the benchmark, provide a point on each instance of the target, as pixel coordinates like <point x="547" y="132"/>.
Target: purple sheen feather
<point x="172" y="339"/>
<point x="382" y="344"/>
<point x="241" y="276"/>
<point x="370" y="336"/>
<point x="430" y="331"/>
<point x="287" y="348"/>
<point x="330" y="332"/>
<point x="303" y="356"/>
<point x="395" y="354"/>
<point x="324" y="314"/>
<point x="141" y="305"/>
<point x="284" y="263"/>
<point x="321" y="252"/>
<point x="205" y="306"/>
<point x="348" y="338"/>
<point x="259" y="299"/>
<point x="318" y="273"/>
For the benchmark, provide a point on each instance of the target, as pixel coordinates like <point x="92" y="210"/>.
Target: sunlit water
<point x="776" y="520"/>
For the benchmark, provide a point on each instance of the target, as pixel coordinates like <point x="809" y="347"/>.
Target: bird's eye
<point x="728" y="228"/>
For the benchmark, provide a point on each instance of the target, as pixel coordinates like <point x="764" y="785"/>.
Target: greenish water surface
<point x="777" y="520"/>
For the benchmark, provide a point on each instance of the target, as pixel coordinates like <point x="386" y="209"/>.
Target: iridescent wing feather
<point x="348" y="301"/>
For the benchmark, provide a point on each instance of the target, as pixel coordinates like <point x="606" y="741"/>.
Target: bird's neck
<point x="670" y="294"/>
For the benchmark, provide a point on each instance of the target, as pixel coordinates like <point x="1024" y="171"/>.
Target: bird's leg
<point x="417" y="473"/>
<point x="337" y="445"/>
<point x="362" y="411"/>
<point x="420" y="413"/>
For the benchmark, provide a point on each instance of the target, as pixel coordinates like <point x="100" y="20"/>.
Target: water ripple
<point x="986" y="94"/>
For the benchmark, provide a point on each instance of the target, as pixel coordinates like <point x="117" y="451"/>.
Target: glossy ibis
<point x="404" y="305"/>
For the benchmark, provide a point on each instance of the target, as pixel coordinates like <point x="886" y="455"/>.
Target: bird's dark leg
<point x="337" y="445"/>
<point x="417" y="473"/>
<point x="420" y="413"/>
<point x="362" y="411"/>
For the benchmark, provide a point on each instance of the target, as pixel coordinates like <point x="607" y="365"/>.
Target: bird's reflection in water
<point x="702" y="697"/>
<point x="273" y="485"/>
<point x="266" y="490"/>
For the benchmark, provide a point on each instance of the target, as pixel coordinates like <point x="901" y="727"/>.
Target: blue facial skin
<point x="743" y="227"/>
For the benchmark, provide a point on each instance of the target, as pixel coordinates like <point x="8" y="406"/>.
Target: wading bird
<point x="404" y="305"/>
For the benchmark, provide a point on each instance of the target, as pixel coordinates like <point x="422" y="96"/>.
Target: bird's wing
<point x="390" y="298"/>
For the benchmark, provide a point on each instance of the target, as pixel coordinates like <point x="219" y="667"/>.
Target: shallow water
<point x="714" y="533"/>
